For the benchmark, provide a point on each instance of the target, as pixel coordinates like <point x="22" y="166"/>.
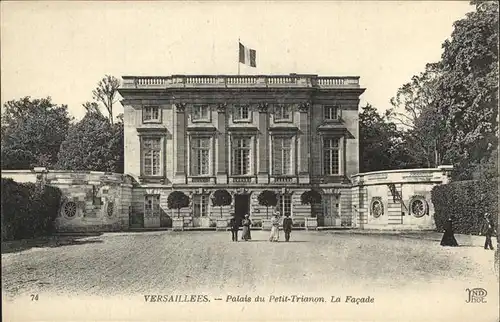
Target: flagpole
<point x="238" y="56"/>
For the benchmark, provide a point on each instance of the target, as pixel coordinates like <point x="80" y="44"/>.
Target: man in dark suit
<point x="234" y="225"/>
<point x="287" y="226"/>
<point x="488" y="230"/>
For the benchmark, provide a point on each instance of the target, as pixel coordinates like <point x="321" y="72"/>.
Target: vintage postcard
<point x="249" y="161"/>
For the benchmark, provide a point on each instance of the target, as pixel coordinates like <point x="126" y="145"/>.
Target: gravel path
<point x="134" y="264"/>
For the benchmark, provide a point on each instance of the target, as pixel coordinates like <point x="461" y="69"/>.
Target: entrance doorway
<point x="241" y="206"/>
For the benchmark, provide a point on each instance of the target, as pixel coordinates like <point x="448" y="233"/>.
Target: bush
<point x="177" y="200"/>
<point x="28" y="210"/>
<point x="467" y="201"/>
<point x="310" y="197"/>
<point x="267" y="198"/>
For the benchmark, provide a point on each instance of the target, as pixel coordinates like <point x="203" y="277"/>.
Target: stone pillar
<point x="180" y="136"/>
<point x="263" y="171"/>
<point x="304" y="154"/>
<point x="221" y="144"/>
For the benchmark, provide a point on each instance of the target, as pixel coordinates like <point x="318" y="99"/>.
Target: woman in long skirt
<point x="275" y="225"/>
<point x="246" y="228"/>
<point x="448" y="237"/>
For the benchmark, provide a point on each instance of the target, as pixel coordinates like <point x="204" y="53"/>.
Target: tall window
<point x="200" y="205"/>
<point x="200" y="156"/>
<point x="151" y="114"/>
<point x="331" y="158"/>
<point x="283" y="112"/>
<point x="282" y="155"/>
<point x="241" y="156"/>
<point x="241" y="112"/>
<point x="331" y="206"/>
<point x="200" y="113"/>
<point x="285" y="204"/>
<point x="331" y="112"/>
<point x="151" y="156"/>
<point x="151" y="204"/>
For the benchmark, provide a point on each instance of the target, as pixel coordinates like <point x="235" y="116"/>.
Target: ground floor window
<point x="331" y="205"/>
<point x="200" y="205"/>
<point x="151" y="204"/>
<point x="285" y="204"/>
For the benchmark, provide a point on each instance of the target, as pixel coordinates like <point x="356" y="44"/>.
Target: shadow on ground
<point x="15" y="246"/>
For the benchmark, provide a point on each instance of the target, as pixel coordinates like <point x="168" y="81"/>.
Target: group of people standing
<point x="488" y="229"/>
<point x="287" y="224"/>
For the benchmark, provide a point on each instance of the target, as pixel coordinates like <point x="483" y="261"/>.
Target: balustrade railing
<point x="228" y="81"/>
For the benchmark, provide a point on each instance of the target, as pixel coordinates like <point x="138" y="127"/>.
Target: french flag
<point x="248" y="56"/>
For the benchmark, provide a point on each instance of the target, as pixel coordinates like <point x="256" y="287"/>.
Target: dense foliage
<point x="310" y="197"/>
<point x="32" y="132"/>
<point x="381" y="145"/>
<point x="93" y="144"/>
<point x="267" y="198"/>
<point x="28" y="210"/>
<point x="221" y="198"/>
<point x="467" y="201"/>
<point x="450" y="110"/>
<point x="177" y="200"/>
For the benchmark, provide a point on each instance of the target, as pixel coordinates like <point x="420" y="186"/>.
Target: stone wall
<point x="92" y="201"/>
<point x="396" y="199"/>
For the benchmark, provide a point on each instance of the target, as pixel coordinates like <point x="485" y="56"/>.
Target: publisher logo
<point x="476" y="295"/>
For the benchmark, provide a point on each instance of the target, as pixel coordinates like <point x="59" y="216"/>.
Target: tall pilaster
<point x="263" y="171"/>
<point x="304" y="154"/>
<point x="180" y="136"/>
<point x="222" y="165"/>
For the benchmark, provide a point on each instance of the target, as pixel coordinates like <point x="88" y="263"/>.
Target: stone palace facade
<point x="244" y="134"/>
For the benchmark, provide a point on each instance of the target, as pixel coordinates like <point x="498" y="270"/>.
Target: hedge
<point x="467" y="201"/>
<point x="28" y="210"/>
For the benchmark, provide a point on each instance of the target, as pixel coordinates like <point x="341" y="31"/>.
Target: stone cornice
<point x="243" y="129"/>
<point x="152" y="130"/>
<point x="202" y="129"/>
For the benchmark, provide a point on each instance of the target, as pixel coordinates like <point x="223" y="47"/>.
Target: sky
<point x="62" y="49"/>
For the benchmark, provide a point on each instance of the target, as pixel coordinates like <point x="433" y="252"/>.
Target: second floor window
<point x="200" y="205"/>
<point x="283" y="112"/>
<point x="282" y="156"/>
<point x="201" y="113"/>
<point x="151" y="114"/>
<point x="200" y="156"/>
<point x="241" y="156"/>
<point x="331" y="112"/>
<point x="331" y="156"/>
<point x="241" y="113"/>
<point x="151" y="156"/>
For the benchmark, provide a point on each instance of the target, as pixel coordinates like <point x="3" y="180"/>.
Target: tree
<point x="310" y="197"/>
<point x="32" y="132"/>
<point x="381" y="145"/>
<point x="267" y="198"/>
<point x="93" y="144"/>
<point x="105" y="92"/>
<point x="415" y="111"/>
<point x="221" y="198"/>
<point x="177" y="200"/>
<point x="468" y="89"/>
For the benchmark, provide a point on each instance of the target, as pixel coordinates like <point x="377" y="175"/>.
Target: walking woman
<point x="275" y="227"/>
<point x="488" y="230"/>
<point x="448" y="237"/>
<point x="246" y="227"/>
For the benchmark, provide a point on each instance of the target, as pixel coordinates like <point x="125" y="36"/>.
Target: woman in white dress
<point x="275" y="227"/>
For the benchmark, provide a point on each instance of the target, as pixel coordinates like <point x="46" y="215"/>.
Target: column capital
<point x="180" y="107"/>
<point x="263" y="107"/>
<point x="221" y="107"/>
<point x="304" y="107"/>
